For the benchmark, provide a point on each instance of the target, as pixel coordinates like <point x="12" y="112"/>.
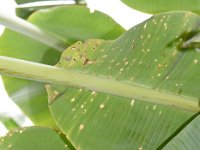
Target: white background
<point x="121" y="13"/>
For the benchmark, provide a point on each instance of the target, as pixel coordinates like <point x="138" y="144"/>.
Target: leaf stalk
<point x="26" y="28"/>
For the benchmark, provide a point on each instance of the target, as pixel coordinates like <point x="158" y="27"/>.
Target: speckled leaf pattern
<point x="158" y="6"/>
<point x="33" y="138"/>
<point x="148" y="55"/>
<point x="68" y="22"/>
<point x="188" y="138"/>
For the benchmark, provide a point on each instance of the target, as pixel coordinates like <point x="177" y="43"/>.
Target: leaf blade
<point x="141" y="56"/>
<point x="33" y="137"/>
<point x="188" y="138"/>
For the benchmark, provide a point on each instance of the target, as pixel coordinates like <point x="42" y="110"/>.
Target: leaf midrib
<point x="55" y="75"/>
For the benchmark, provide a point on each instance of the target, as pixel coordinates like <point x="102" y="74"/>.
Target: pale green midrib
<point x="51" y="74"/>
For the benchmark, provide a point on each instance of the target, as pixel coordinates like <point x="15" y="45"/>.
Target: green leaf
<point x="149" y="60"/>
<point x="158" y="6"/>
<point x="188" y="138"/>
<point x="24" y="11"/>
<point x="8" y="122"/>
<point x="31" y="96"/>
<point x="77" y="23"/>
<point x="29" y="1"/>
<point x="33" y="138"/>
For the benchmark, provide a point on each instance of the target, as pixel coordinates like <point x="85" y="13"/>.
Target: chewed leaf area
<point x="80" y="54"/>
<point x="148" y="56"/>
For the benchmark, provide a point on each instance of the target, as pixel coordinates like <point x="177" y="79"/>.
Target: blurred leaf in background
<point x="72" y="23"/>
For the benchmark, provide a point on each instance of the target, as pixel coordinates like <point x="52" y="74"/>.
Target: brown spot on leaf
<point x="86" y="61"/>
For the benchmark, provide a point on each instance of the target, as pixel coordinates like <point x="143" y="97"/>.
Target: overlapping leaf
<point x="33" y="138"/>
<point x="69" y="22"/>
<point x="142" y="57"/>
<point x="24" y="11"/>
<point x="8" y="122"/>
<point x="188" y="138"/>
<point x="158" y="6"/>
<point x="29" y="1"/>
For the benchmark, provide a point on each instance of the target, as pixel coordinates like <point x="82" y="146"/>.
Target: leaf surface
<point x="188" y="138"/>
<point x="141" y="57"/>
<point x="155" y="6"/>
<point x="29" y="1"/>
<point x="79" y="25"/>
<point x="8" y="122"/>
<point x="32" y="138"/>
